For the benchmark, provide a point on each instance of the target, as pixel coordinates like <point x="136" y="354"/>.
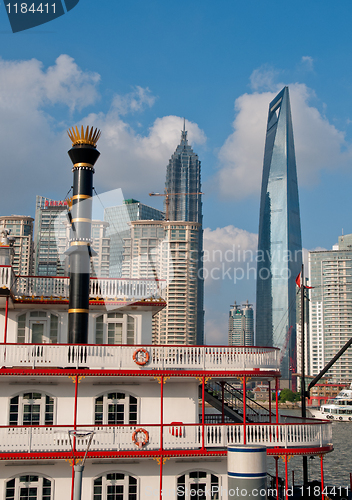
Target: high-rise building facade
<point x="241" y="325"/>
<point x="167" y="250"/>
<point x="21" y="229"/>
<point x="183" y="202"/>
<point x="279" y="243"/>
<point x="50" y="235"/>
<point x="330" y="309"/>
<point x="119" y="219"/>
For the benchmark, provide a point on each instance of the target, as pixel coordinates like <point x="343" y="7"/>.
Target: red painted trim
<point x="277" y="399"/>
<point x="161" y="479"/>
<point x="156" y="453"/>
<point x="161" y="411"/>
<point x="222" y="402"/>
<point x="203" y="413"/>
<point x="142" y="372"/>
<point x="92" y="302"/>
<point x="299" y="451"/>
<point x="244" y="411"/>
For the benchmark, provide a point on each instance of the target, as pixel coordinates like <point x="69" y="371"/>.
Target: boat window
<point x="115" y="485"/>
<point x="31" y="487"/>
<point x="334" y="410"/>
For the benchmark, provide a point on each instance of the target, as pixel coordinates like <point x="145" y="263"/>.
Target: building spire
<point x="184" y="132"/>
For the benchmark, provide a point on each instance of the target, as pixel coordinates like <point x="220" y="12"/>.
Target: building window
<point x="31" y="408"/>
<point x="115" y="408"/>
<point x="29" y="487"/>
<point x="198" y="484"/>
<point x="115" y="486"/>
<point x="41" y="328"/>
<point x="120" y="329"/>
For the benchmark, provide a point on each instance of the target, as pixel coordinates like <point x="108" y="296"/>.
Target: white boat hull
<point x="330" y="416"/>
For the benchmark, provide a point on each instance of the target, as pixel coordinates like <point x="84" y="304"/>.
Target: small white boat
<point x="339" y="408"/>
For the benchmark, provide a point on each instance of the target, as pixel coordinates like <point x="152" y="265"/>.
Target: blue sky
<point x="136" y="68"/>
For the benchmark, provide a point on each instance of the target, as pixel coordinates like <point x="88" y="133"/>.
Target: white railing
<point x="58" y="286"/>
<point x="120" y="288"/>
<point x="42" y="286"/>
<point x="175" y="437"/>
<point x="121" y="357"/>
<point x="7" y="277"/>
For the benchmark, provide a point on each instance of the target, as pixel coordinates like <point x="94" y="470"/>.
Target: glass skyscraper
<point x="241" y="325"/>
<point x="49" y="236"/>
<point x="279" y="244"/>
<point x="182" y="189"/>
<point x="119" y="219"/>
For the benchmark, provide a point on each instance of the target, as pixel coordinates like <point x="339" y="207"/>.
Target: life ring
<point x="136" y="438"/>
<point x="332" y="417"/>
<point x="340" y="418"/>
<point x="349" y="418"/>
<point x="141" y="356"/>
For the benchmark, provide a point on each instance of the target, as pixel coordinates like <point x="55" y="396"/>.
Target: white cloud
<point x="34" y="143"/>
<point x="230" y="270"/>
<point x="134" y="101"/>
<point x="308" y="62"/>
<point x="319" y="144"/>
<point x="263" y="78"/>
<point x="129" y="156"/>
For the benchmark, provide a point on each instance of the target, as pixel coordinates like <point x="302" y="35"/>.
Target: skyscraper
<point x="49" y="236"/>
<point x="21" y="229"/>
<point x="167" y="250"/>
<point x="330" y="309"/>
<point x="184" y="203"/>
<point x="119" y="219"/>
<point x="241" y="325"/>
<point x="279" y="244"/>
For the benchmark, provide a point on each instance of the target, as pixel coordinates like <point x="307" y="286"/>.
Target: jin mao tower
<point x="184" y="203"/>
<point x="279" y="243"/>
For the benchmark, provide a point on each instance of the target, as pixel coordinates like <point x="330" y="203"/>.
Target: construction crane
<point x="167" y="195"/>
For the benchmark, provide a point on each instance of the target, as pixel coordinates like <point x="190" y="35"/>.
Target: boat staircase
<point x="228" y="400"/>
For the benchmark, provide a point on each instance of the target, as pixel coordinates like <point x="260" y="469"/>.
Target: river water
<point x="337" y="464"/>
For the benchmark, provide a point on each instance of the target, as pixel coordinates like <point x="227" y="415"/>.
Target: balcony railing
<point x="27" y="439"/>
<point x="58" y="286"/>
<point x="122" y="357"/>
<point x="7" y="277"/>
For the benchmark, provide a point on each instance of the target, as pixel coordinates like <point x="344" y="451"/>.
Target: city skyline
<point x="222" y="83"/>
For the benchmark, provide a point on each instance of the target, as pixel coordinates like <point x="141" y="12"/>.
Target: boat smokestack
<point x="83" y="155"/>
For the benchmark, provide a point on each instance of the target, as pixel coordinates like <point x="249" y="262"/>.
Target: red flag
<point x="298" y="280"/>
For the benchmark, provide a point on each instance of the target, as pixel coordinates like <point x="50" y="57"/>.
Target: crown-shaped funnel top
<point x="90" y="137"/>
